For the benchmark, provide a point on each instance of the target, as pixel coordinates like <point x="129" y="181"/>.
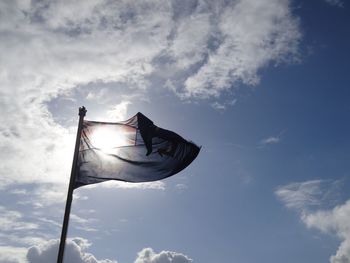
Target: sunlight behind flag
<point x="109" y="138"/>
<point x="135" y="150"/>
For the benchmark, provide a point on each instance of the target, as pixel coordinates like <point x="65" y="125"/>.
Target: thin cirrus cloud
<point x="307" y="198"/>
<point x="270" y="140"/>
<point x="338" y="3"/>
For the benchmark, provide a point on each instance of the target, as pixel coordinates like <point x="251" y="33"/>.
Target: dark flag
<point x="135" y="150"/>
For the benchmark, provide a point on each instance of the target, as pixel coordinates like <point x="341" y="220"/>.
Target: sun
<point x="108" y="140"/>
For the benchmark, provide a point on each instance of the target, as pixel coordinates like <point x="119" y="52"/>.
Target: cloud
<point x="338" y="3"/>
<point x="118" y="113"/>
<point x="52" y="48"/>
<point x="300" y="195"/>
<point x="270" y="140"/>
<point x="157" y="185"/>
<point x="57" y="47"/>
<point x="74" y="252"/>
<point x="13" y="221"/>
<point x="308" y="195"/>
<point x="10" y="254"/>
<point x="249" y="35"/>
<point x="335" y="221"/>
<point x="222" y="106"/>
<point x="147" y="255"/>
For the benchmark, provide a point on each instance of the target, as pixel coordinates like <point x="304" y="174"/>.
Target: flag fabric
<point x="135" y="150"/>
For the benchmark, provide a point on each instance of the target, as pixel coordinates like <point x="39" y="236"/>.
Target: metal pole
<point x="82" y="112"/>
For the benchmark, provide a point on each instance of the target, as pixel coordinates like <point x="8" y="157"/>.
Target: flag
<point x="135" y="150"/>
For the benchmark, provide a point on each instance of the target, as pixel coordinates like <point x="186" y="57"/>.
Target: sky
<point x="262" y="86"/>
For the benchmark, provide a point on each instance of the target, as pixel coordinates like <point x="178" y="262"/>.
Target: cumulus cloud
<point x="74" y="252"/>
<point x="333" y="221"/>
<point x="303" y="196"/>
<point x="147" y="255"/>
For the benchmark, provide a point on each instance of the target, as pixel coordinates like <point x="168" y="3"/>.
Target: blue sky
<point x="261" y="85"/>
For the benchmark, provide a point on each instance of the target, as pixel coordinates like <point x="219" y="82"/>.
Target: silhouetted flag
<point x="132" y="151"/>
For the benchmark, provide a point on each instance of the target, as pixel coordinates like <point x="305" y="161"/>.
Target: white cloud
<point x="252" y="34"/>
<point x="275" y="139"/>
<point x="181" y="187"/>
<point x="334" y="221"/>
<point x="222" y="106"/>
<point x="49" y="48"/>
<point x="157" y="185"/>
<point x="307" y="195"/>
<point x="74" y="252"/>
<point x="338" y="3"/>
<point x="13" y="221"/>
<point x="57" y="47"/>
<point x="147" y="255"/>
<point x="119" y="111"/>
<point x="83" y="224"/>
<point x="270" y="140"/>
<point x="10" y="254"/>
<point x="302" y="196"/>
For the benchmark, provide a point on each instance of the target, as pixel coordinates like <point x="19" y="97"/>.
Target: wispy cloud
<point x="13" y="221"/>
<point x="338" y="3"/>
<point x="51" y="49"/>
<point x="270" y="140"/>
<point x="201" y="48"/>
<point x="221" y="106"/>
<point x="274" y="139"/>
<point x="304" y="196"/>
<point x="300" y="195"/>
<point x="308" y="199"/>
<point x="248" y="36"/>
<point x="9" y="254"/>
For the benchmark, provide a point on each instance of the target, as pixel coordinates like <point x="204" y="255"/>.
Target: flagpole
<point x="82" y="112"/>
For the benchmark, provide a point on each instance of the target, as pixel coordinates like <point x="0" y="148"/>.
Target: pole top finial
<point x="82" y="111"/>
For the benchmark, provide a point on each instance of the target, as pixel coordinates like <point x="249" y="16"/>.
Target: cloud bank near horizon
<point x="75" y="252"/>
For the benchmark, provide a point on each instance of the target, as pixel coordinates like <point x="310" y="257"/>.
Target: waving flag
<point x="135" y="150"/>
